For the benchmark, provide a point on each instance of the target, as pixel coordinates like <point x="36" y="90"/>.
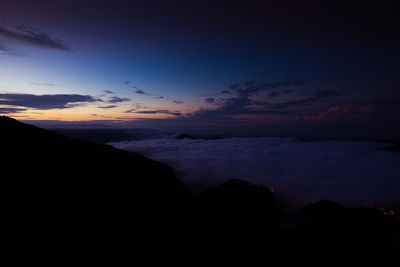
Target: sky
<point x="253" y="68"/>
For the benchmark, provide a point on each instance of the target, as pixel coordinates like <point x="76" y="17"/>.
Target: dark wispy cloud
<point x="116" y="99"/>
<point x="59" y="101"/>
<point x="11" y="110"/>
<point x="251" y="87"/>
<point x="126" y="82"/>
<point x="253" y="98"/>
<point x="111" y="106"/>
<point x="30" y="36"/>
<point x="10" y="52"/>
<point x="273" y="94"/>
<point x="157" y="96"/>
<point x="141" y="92"/>
<point x="209" y="100"/>
<point x="177" y="101"/>
<point x="136" y="107"/>
<point x="318" y="95"/>
<point x="44" y="84"/>
<point x="108" y="92"/>
<point x="163" y="111"/>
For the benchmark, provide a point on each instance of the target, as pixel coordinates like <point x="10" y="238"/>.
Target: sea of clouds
<point x="352" y="173"/>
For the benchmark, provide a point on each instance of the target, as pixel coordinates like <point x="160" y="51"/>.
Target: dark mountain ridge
<point x="92" y="195"/>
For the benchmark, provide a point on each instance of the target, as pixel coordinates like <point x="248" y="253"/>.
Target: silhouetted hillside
<point x="81" y="197"/>
<point x="395" y="148"/>
<point x="74" y="202"/>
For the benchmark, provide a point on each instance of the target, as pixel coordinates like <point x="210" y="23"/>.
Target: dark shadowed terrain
<point x="68" y="201"/>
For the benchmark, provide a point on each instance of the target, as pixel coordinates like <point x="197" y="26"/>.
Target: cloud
<point x="273" y="94"/>
<point x="163" y="111"/>
<point x="10" y="52"/>
<point x="44" y="84"/>
<point x="116" y="99"/>
<point x="44" y="102"/>
<point x="157" y="96"/>
<point x="248" y="98"/>
<point x="141" y="92"/>
<point x="126" y="82"/>
<point x="318" y="95"/>
<point x="108" y="92"/>
<point x="111" y="106"/>
<point x="210" y="100"/>
<point x="10" y="110"/>
<point x="30" y="36"/>
<point x="136" y="108"/>
<point x="355" y="111"/>
<point x="249" y="110"/>
<point x="251" y="87"/>
<point x="353" y="173"/>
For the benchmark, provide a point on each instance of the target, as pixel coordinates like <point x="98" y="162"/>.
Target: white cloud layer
<point x="352" y="173"/>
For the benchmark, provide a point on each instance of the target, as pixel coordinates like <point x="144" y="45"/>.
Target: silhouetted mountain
<point x="395" y="148"/>
<point x="322" y="209"/>
<point x="242" y="223"/>
<point x="69" y="201"/>
<point x="326" y="232"/>
<point x="395" y="144"/>
<point x="82" y="198"/>
<point x="230" y="221"/>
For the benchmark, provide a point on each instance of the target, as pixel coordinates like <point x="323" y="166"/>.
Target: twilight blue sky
<point x="235" y="67"/>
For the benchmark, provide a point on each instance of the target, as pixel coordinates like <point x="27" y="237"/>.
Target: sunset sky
<point x="256" y="67"/>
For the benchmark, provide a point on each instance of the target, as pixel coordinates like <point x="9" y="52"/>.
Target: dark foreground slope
<point x="69" y="202"/>
<point x="237" y="222"/>
<point x="67" y="198"/>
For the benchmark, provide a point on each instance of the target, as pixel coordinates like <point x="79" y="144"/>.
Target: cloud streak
<point x="116" y="99"/>
<point x="163" y="111"/>
<point x="44" y="84"/>
<point x="10" y="52"/>
<point x="30" y="36"/>
<point x="10" y="110"/>
<point x="105" y="107"/>
<point x="45" y="102"/>
<point x="254" y="98"/>
<point x="157" y="96"/>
